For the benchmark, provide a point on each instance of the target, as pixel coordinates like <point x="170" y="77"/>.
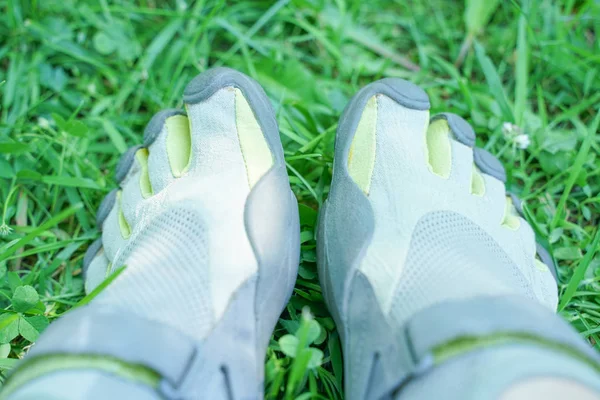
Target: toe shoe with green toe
<point x="206" y="228"/>
<point x="417" y="220"/>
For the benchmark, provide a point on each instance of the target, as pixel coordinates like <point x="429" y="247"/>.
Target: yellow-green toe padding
<point x="477" y="182"/>
<point x="179" y="144"/>
<point x="361" y="158"/>
<point x="145" y="186"/>
<point x="511" y="218"/>
<point x="439" y="150"/>
<point x="255" y="150"/>
<point x="123" y="224"/>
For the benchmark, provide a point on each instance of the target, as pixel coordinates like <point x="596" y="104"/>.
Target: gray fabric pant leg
<point x="487" y="372"/>
<point x="82" y="384"/>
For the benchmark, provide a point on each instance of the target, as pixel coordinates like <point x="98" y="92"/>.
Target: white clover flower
<point x="508" y="128"/>
<point x="182" y="5"/>
<point x="5" y="229"/>
<point x="515" y="135"/>
<point x="43" y="123"/>
<point x="522" y="141"/>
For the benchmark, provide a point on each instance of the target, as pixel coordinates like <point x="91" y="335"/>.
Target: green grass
<point x="79" y="80"/>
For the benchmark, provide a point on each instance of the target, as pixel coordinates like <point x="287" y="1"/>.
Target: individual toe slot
<point x="449" y="148"/>
<point x="90" y="254"/>
<point x="105" y="206"/>
<point x="169" y="154"/>
<point x="461" y="129"/>
<point x="116" y="229"/>
<point x="255" y="149"/>
<point x="95" y="266"/>
<point x="403" y="92"/>
<point x="124" y="225"/>
<point x="144" y="176"/>
<point x="156" y="124"/>
<point x="96" y="271"/>
<point x="402" y="116"/>
<point x="439" y="148"/>
<point x="488" y="164"/>
<point x="544" y="260"/>
<point x="477" y="182"/>
<point x="209" y="83"/>
<point x="491" y="167"/>
<point x="361" y="158"/>
<point x="512" y="219"/>
<point x="125" y="163"/>
<point x="136" y="187"/>
<point x="494" y="197"/>
<point x="179" y="144"/>
<point x="232" y="125"/>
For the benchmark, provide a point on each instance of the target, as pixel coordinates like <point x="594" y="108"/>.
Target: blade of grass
<point x="109" y="279"/>
<point x="576" y="169"/>
<point x="494" y="82"/>
<point x="579" y="272"/>
<point x="60" y="217"/>
<point x="521" y="68"/>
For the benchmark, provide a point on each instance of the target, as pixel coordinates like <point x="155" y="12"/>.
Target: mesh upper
<point x="450" y="257"/>
<point x="169" y="256"/>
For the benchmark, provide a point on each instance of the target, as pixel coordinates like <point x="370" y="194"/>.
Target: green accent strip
<point x="179" y="144"/>
<point x="123" y="224"/>
<point x="439" y="150"/>
<point x="466" y="344"/>
<point x="145" y="186"/>
<point x="36" y="367"/>
<point x="255" y="150"/>
<point x="361" y="158"/>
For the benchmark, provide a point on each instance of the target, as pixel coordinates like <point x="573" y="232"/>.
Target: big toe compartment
<point x="384" y="123"/>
